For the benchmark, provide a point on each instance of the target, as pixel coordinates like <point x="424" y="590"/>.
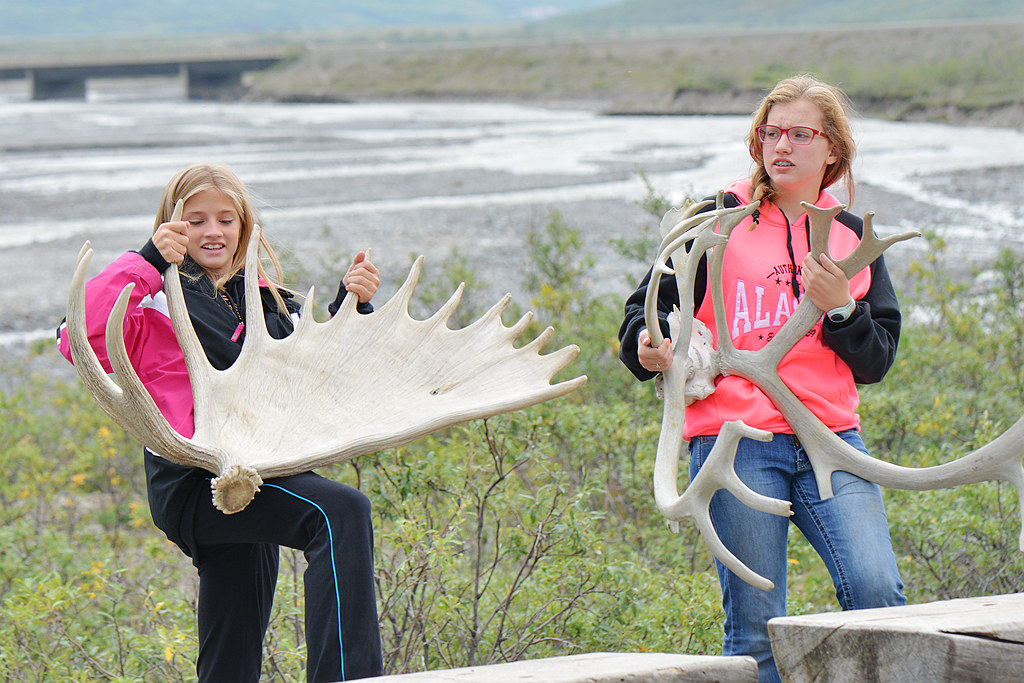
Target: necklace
<point x="238" y="314"/>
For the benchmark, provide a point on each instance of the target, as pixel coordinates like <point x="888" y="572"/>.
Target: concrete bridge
<point x="204" y="77"/>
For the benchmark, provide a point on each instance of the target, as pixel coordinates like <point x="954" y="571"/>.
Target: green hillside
<point x="37" y="19"/>
<point x="26" y="19"/>
<point x="754" y="14"/>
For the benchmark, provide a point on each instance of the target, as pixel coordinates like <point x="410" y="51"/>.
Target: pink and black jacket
<point x="761" y="276"/>
<point x="156" y="357"/>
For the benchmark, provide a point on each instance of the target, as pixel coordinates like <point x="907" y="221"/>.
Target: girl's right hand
<point x="171" y="240"/>
<point x="653" y="359"/>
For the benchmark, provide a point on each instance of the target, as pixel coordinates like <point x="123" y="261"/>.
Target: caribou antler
<point x="326" y="393"/>
<point x="1000" y="460"/>
<point x="697" y="230"/>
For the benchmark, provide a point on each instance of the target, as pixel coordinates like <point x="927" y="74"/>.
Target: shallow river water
<point x="414" y="178"/>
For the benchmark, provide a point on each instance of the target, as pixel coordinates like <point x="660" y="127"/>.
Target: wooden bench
<point x="970" y="639"/>
<point x="602" y="667"/>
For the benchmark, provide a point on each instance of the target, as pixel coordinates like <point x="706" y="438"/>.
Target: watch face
<point x="838" y="315"/>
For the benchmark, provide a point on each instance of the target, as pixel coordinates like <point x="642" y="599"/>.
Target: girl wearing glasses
<point x="801" y="144"/>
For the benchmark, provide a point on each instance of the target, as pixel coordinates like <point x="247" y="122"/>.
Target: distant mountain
<point x="755" y="14"/>
<point x="75" y="19"/>
<point x="39" y="19"/>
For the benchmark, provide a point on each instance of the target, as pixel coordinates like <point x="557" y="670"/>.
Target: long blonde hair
<point x="835" y="110"/>
<point x="200" y="177"/>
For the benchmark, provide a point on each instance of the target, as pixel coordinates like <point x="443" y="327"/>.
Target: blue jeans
<point x="849" y="531"/>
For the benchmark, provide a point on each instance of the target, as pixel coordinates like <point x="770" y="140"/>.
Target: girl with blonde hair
<point x="801" y="144"/>
<point x="237" y="555"/>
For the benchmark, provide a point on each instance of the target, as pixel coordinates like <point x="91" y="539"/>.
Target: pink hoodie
<point x="148" y="334"/>
<point x="758" y="301"/>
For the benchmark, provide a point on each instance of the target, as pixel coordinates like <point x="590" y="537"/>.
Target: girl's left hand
<point x="825" y="283"/>
<point x="362" y="278"/>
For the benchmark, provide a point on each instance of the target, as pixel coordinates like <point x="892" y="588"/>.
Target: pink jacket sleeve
<point x="148" y="335"/>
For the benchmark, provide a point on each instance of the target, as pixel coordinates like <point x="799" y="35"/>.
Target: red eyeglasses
<point x="798" y="135"/>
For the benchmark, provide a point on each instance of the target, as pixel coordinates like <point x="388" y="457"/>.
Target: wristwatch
<point x="841" y="313"/>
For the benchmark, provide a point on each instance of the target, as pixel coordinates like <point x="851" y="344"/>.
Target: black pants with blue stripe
<point x="238" y="562"/>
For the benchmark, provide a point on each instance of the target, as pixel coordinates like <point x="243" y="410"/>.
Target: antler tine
<point x="537" y="344"/>
<point x="560" y="360"/>
<point x="256" y="335"/>
<point x="306" y="312"/>
<point x="444" y="314"/>
<point x="870" y="247"/>
<point x="86" y="363"/>
<point x="718" y="472"/>
<point x="867" y="250"/>
<point x="706" y="239"/>
<point x="137" y="412"/>
<point x="556" y="361"/>
<point x="695" y="230"/>
<point x="84" y="252"/>
<point x="730" y="219"/>
<point x="820" y="225"/>
<point x="550" y="364"/>
<point x="677" y="221"/>
<point x="520" y="325"/>
<point x="493" y="313"/>
<point x="403" y="296"/>
<point x="567" y="387"/>
<point x="199" y="368"/>
<point x="127" y="403"/>
<point x="702" y="521"/>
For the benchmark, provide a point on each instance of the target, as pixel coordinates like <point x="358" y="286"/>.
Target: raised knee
<point x="348" y="504"/>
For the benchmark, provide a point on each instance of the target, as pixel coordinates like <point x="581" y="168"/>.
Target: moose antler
<point x="1000" y="460"/>
<point x="326" y="393"/>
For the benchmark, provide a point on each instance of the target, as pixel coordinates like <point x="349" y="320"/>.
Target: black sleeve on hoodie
<point x="152" y="254"/>
<point x="335" y="305"/>
<point x="868" y="339"/>
<point x="634" y="322"/>
<point x="668" y="297"/>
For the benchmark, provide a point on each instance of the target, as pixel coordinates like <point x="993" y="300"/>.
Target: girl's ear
<point x="833" y="155"/>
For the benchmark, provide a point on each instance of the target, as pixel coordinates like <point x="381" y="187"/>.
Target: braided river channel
<point x="407" y="179"/>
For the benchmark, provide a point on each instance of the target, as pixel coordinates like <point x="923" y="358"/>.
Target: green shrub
<point x="520" y="536"/>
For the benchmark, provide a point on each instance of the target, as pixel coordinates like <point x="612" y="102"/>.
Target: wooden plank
<point x="970" y="639"/>
<point x="601" y="667"/>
